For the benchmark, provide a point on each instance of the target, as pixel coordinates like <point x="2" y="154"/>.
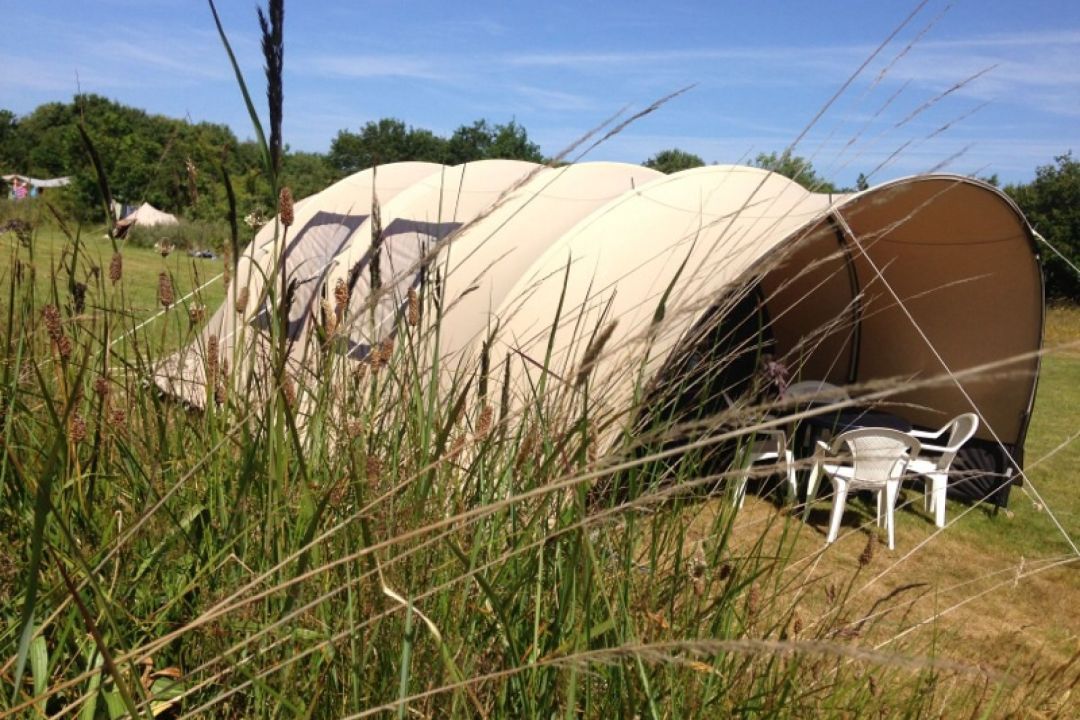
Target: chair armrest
<point x="935" y="448"/>
<point x="926" y="433"/>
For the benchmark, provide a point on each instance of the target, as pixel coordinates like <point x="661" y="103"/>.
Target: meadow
<point x="410" y="556"/>
<point x="388" y="541"/>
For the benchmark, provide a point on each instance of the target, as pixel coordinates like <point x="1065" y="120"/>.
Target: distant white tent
<point x="38" y="182"/>
<point x="148" y="215"/>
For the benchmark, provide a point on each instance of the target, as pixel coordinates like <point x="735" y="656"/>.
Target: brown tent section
<point x="921" y="277"/>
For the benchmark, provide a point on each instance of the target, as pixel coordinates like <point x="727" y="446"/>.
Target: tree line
<point x="181" y="167"/>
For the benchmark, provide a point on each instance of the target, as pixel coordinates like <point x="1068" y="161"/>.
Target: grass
<point x="411" y="552"/>
<point x="141" y="267"/>
<point x="414" y="552"/>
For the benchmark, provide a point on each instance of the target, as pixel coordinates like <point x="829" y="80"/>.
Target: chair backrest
<point x="818" y="390"/>
<point x="962" y="429"/>
<point x="877" y="454"/>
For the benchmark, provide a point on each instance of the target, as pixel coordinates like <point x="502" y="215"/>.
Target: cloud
<point x="548" y="99"/>
<point x="373" y="66"/>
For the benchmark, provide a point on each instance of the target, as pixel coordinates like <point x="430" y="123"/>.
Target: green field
<point x="403" y="555"/>
<point x="51" y="251"/>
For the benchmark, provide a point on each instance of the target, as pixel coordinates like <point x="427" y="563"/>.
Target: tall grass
<point x="404" y="537"/>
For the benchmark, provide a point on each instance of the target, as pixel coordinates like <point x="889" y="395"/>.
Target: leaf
<point x="165" y="690"/>
<point x="89" y="710"/>
<point x="39" y="664"/>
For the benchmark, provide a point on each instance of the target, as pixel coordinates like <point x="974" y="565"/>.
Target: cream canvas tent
<point x="322" y="225"/>
<point x="910" y="281"/>
<point x="146" y="215"/>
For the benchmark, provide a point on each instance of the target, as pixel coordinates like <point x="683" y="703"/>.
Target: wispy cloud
<point x="373" y="66"/>
<point x="556" y="99"/>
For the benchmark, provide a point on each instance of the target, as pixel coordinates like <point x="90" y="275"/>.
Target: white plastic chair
<point x="935" y="466"/>
<point x="863" y="459"/>
<point x="768" y="446"/>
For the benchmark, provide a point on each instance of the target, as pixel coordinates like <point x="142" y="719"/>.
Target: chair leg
<point x="811" y="489"/>
<point x="892" y="489"/>
<point x="877" y="502"/>
<point x="840" y="490"/>
<point x="940" y="485"/>
<point x="793" y="483"/>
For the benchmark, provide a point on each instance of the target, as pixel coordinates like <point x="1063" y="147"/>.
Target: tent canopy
<point x="917" y="282"/>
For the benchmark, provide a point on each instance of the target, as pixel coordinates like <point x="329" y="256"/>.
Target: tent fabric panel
<point x="960" y="259"/>
<point x="811" y="305"/>
<point x="482" y="265"/>
<point x="427" y="212"/>
<point x="705" y="226"/>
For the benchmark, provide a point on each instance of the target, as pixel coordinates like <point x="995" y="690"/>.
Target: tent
<point x="322" y="225"/>
<point x="921" y="280"/>
<point x="146" y="215"/>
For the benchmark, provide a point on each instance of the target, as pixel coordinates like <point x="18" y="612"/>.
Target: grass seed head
<point x="241" y="300"/>
<point x="196" y="314"/>
<point x="63" y="347"/>
<point x="285" y="206"/>
<point x="592" y="353"/>
<point x="341" y="297"/>
<point x="483" y="425"/>
<point x="101" y="386"/>
<point x="116" y="268"/>
<point x="329" y="318"/>
<point x="413" y="313"/>
<point x="165" y="290"/>
<point x="51" y="316"/>
<point x="78" y="296"/>
<point x="76" y="428"/>
<point x="288" y="389"/>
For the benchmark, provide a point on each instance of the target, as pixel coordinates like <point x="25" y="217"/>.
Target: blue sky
<point x="762" y="71"/>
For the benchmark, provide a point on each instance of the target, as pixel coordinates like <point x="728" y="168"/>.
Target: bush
<point x="188" y="235"/>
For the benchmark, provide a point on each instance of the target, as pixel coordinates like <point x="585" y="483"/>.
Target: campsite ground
<point x="992" y="587"/>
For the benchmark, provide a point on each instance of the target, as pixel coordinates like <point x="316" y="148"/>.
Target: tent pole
<point x="856" y="304"/>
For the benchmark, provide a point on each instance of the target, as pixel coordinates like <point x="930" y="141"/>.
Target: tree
<point x="795" y="167"/>
<point x="482" y="141"/>
<point x="385" y="141"/>
<point x="673" y="160"/>
<point x="1051" y="203"/>
<point x="511" y="142"/>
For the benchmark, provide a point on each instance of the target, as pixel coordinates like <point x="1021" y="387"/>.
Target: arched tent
<point x="910" y="280"/>
<point x="905" y="283"/>
<point x="322" y="226"/>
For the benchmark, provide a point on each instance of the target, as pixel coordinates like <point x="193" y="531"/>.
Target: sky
<point x="886" y="88"/>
